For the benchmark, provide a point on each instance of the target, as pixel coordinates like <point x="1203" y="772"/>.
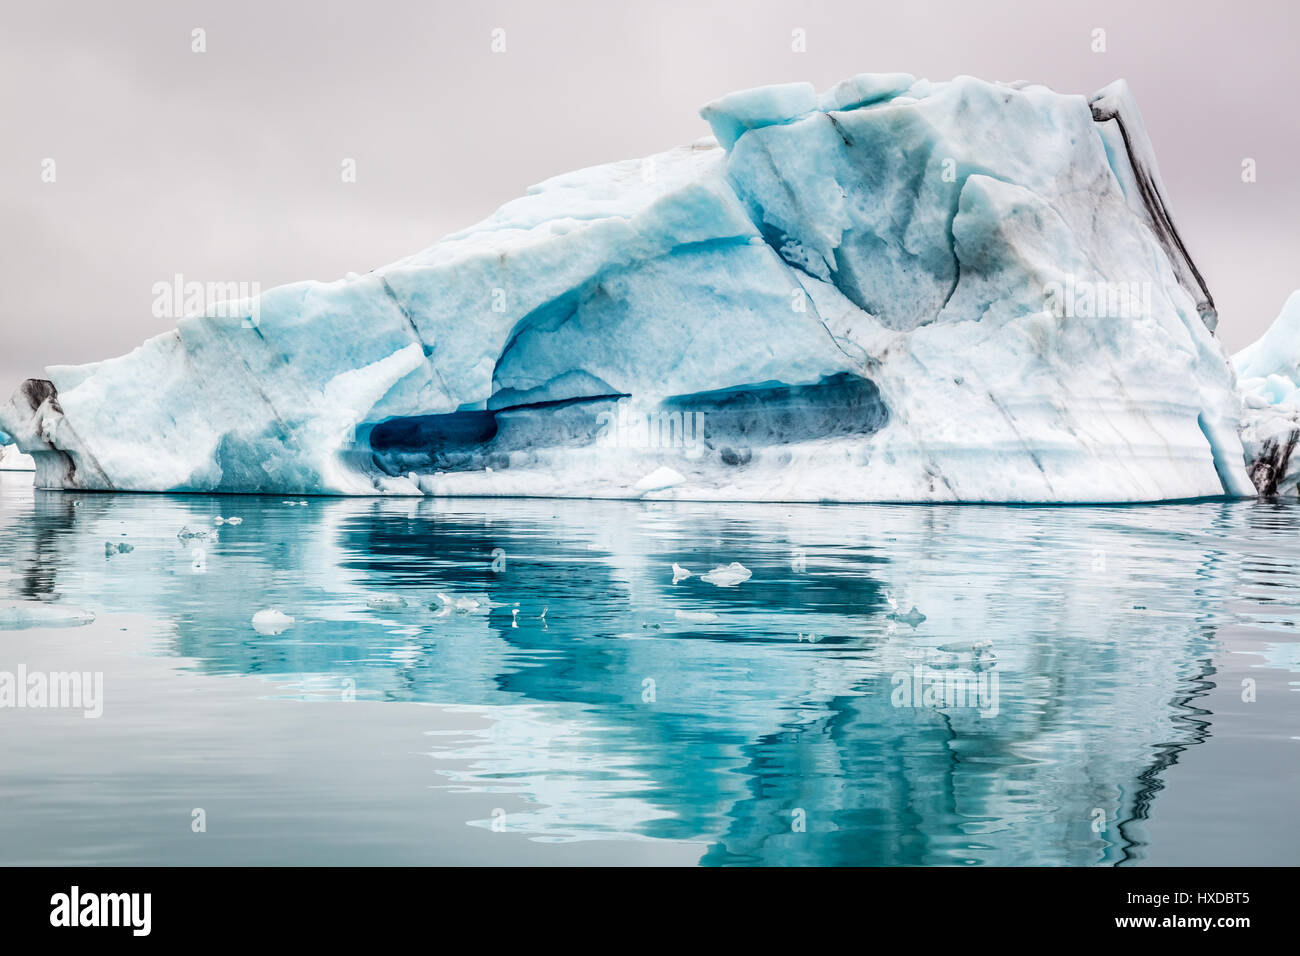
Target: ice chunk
<point x="912" y="618"/>
<point x="679" y="573"/>
<point x="696" y="617"/>
<point x="386" y="602"/>
<point x="272" y="621"/>
<point x="465" y="604"/>
<point x="728" y="576"/>
<point x="19" y="615"/>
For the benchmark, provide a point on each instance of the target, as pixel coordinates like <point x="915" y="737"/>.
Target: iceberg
<point x="893" y="290"/>
<point x="1268" y="372"/>
<point x="11" y="458"/>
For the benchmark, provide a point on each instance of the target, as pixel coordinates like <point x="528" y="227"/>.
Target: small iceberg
<point x="271" y="622"/>
<point x="467" y="605"/>
<point x="696" y="617"/>
<point x="978" y="655"/>
<point x="19" y="615"/>
<point x="911" y="618"/>
<point x="386" y="602"/>
<point x="728" y="576"/>
<point x="679" y="573"/>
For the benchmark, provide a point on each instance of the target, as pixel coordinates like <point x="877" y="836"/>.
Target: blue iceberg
<point x="894" y="290"/>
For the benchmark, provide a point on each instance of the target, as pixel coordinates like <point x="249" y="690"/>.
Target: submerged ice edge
<point x="862" y="295"/>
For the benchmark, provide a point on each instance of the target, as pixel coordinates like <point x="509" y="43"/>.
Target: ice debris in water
<point x="912" y="617"/>
<point x="272" y="621"/>
<point x="679" y="573"/>
<point x="17" y="615"/>
<point x="728" y="576"/>
<point x="121" y="547"/>
<point x="187" y="533"/>
<point x="466" y="605"/>
<point x="233" y="521"/>
<point x="978" y="654"/>
<point x="386" y="602"/>
<point x="696" y="617"/>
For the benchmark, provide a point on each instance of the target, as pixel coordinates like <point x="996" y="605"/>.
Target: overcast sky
<point x="225" y="165"/>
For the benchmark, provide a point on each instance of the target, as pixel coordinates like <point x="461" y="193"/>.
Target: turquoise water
<point x="1088" y="686"/>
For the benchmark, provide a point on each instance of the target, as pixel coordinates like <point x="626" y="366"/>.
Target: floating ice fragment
<point x="912" y="617"/>
<point x="386" y="602"/>
<point x="978" y="655"/>
<point x="18" y="615"/>
<point x="271" y="621"/>
<point x="696" y="617"/>
<point x="728" y="576"/>
<point x="679" y="573"/>
<point x="463" y="604"/>
<point x="186" y="533"/>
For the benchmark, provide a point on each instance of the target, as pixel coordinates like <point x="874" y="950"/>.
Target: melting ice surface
<point x="570" y="703"/>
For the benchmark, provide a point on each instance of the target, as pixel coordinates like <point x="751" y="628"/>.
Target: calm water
<point x="1089" y="686"/>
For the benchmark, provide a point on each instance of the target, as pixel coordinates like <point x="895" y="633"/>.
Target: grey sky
<point x="225" y="166"/>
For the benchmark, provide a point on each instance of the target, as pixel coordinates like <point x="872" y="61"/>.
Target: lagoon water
<point x="1088" y="686"/>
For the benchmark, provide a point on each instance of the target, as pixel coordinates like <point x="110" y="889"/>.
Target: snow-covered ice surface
<point x="895" y="290"/>
<point x="1268" y="373"/>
